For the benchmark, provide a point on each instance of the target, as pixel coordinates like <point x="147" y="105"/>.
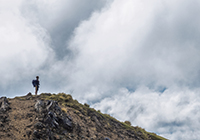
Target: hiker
<point x="36" y="84"/>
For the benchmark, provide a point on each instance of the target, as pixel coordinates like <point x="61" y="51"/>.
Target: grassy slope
<point x="67" y="100"/>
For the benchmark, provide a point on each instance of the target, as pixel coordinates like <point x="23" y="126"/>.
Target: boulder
<point x="39" y="106"/>
<point x="52" y="119"/>
<point x="53" y="105"/>
<point x="4" y="104"/>
<point x="28" y="96"/>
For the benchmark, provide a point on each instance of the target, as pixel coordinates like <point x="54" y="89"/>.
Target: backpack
<point x="34" y="83"/>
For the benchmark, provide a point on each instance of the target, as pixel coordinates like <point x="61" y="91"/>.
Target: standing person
<point x="36" y="84"/>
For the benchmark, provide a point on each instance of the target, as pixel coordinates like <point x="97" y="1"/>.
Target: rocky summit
<point x="60" y="117"/>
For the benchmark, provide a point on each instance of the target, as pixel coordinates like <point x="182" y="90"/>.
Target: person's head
<point x="37" y="77"/>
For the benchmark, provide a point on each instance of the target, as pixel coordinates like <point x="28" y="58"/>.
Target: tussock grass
<point x="64" y="109"/>
<point x="128" y="123"/>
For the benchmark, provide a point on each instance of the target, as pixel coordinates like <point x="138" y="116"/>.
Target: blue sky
<point x="136" y="60"/>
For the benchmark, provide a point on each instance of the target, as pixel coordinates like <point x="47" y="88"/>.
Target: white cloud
<point x="135" y="59"/>
<point x="31" y="32"/>
<point x="145" y="46"/>
<point x="60" y="18"/>
<point x="24" y="47"/>
<point x="138" y="43"/>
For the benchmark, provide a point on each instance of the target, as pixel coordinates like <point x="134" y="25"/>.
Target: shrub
<point x="86" y="105"/>
<point x="128" y="123"/>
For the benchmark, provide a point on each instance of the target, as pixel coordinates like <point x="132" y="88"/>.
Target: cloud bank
<point x="23" y="47"/>
<point x="136" y="60"/>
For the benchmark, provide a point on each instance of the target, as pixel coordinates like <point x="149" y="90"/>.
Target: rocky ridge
<point x="60" y="117"/>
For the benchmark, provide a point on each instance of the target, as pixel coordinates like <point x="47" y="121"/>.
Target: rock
<point x="3" y="118"/>
<point x="64" y="133"/>
<point x="51" y="120"/>
<point x="36" y="134"/>
<point x="67" y="123"/>
<point x="39" y="125"/>
<point x="39" y="106"/>
<point x="53" y="105"/>
<point x="28" y="96"/>
<point x="4" y="105"/>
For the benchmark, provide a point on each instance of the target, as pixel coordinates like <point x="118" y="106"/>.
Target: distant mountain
<point x="60" y="117"/>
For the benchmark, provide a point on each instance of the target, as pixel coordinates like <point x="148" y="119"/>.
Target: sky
<point x="136" y="60"/>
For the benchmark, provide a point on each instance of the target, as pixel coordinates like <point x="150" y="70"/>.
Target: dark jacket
<point x="36" y="83"/>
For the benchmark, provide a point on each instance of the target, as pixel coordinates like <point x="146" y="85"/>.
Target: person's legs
<point x="36" y="90"/>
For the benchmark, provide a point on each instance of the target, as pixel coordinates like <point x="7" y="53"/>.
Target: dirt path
<point x="22" y="117"/>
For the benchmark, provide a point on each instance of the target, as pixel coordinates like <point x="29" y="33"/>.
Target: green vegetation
<point x="67" y="100"/>
<point x="86" y="105"/>
<point x="128" y="123"/>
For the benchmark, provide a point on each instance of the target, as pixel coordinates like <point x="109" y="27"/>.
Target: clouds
<point x="34" y="35"/>
<point x="107" y="42"/>
<point x="23" y="47"/>
<point x="136" y="60"/>
<point x="60" y="18"/>
<point x="154" y="46"/>
<point x="151" y="45"/>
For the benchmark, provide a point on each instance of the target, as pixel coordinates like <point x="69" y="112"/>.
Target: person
<point x="36" y="84"/>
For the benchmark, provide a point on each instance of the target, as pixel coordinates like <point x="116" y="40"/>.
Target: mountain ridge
<point x="60" y="117"/>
